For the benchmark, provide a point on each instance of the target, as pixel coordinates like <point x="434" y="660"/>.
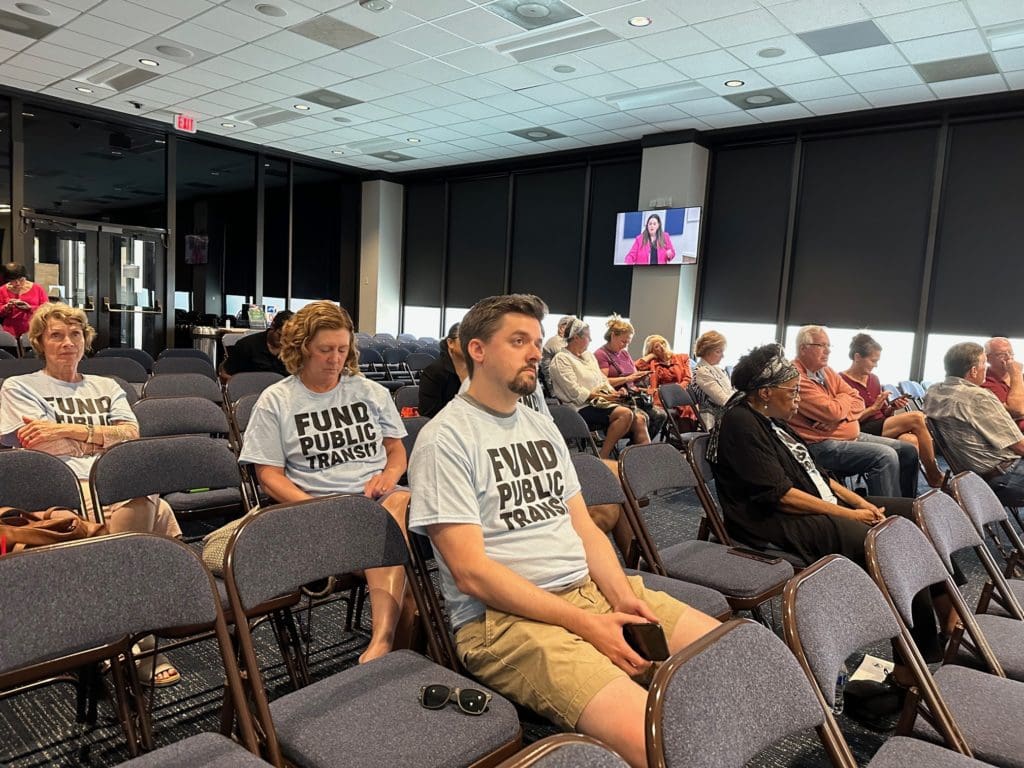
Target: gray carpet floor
<point x="38" y="728"/>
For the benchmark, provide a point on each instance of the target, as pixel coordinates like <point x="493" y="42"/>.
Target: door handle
<point x="131" y="309"/>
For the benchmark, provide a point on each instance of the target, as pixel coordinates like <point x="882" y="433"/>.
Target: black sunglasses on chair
<point x="470" y="700"/>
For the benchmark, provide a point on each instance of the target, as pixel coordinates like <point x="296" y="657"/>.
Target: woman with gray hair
<point x="577" y="380"/>
<point x="771" y="489"/>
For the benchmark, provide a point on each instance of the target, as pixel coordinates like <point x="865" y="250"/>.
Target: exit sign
<point x="185" y="123"/>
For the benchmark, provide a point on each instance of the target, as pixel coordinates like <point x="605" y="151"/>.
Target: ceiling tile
<point x="714" y="106"/>
<point x="132" y="15"/>
<point x="309" y="73"/>
<point x="614" y="120"/>
<point x="9" y="71"/>
<point x="440" y="117"/>
<point x="885" y="7"/>
<point x="806" y="15"/>
<point x="44" y="66"/>
<point x="661" y="13"/>
<point x="612" y="56"/>
<point x="587" y="107"/>
<point x="783" y="48"/>
<point x="730" y="119"/>
<point x="76" y="41"/>
<point x="543" y="116"/>
<point x="184" y="87"/>
<point x="402" y="104"/>
<point x="47" y="50"/>
<point x="211" y="40"/>
<point x="686" y="124"/>
<point x="182" y="9"/>
<point x="742" y="28"/>
<point x="880" y="79"/>
<point x="552" y="94"/>
<point x="298" y="46"/>
<point x="261" y="58"/>
<point x="430" y="40"/>
<point x="658" y="114"/>
<point x="432" y="71"/>
<point x="235" y="24"/>
<point x="600" y="85"/>
<point x="546" y="67"/>
<point x="102" y="29"/>
<point x="214" y="80"/>
<point x="1007" y="60"/>
<point x="474" y="88"/>
<point x="510" y="102"/>
<point x="835" y="104"/>
<point x="1015" y="79"/>
<point x="752" y="81"/>
<point x="474" y="110"/>
<point x="696" y="11"/>
<point x="435" y="9"/>
<point x="294" y="13"/>
<point x="517" y="77"/>
<point x="782" y="112"/>
<point x="648" y="75"/>
<point x="990" y="12"/>
<point x="828" y="88"/>
<point x="865" y="59"/>
<point x="936" y="20"/>
<point x="393" y="82"/>
<point x="477" y="61"/>
<point x="951" y="46"/>
<point x="347" y="64"/>
<point x="380" y="24"/>
<point x="797" y="71"/>
<point x="479" y="26"/>
<point x="705" y="64"/>
<point x="385" y="52"/>
<point x="969" y="86"/>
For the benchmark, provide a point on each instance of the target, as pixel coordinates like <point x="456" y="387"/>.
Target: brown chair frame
<point x="1014" y="559"/>
<point x="541" y="749"/>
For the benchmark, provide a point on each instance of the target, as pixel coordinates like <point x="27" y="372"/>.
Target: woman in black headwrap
<point x="771" y="490"/>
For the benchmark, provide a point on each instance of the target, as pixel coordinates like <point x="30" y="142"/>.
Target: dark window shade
<point x="745" y="233"/>
<point x="614" y="188"/>
<point x="239" y="212"/>
<point x="979" y="270"/>
<point x="423" y="244"/>
<point x="477" y="231"/>
<point x="862" y="229"/>
<point x="547" y="235"/>
<point x="325" y="235"/>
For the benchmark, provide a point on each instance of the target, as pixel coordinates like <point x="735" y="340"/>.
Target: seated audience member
<point x="614" y="361"/>
<point x="1004" y="378"/>
<point x="577" y="380"/>
<point x="327" y="429"/>
<point x="440" y="381"/>
<point x="19" y="299"/>
<point x="879" y="417"/>
<point x="710" y="380"/>
<point x="257" y="351"/>
<point x="975" y="426"/>
<point x="77" y="417"/>
<point x="666" y="367"/>
<point x="552" y="347"/>
<point x="495" y="490"/>
<point x="770" y="487"/>
<point x="828" y="420"/>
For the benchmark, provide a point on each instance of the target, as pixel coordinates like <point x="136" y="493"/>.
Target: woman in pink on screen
<point x="19" y="299"/>
<point x="652" y="246"/>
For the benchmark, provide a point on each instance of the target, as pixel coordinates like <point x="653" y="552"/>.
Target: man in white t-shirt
<point x="536" y="595"/>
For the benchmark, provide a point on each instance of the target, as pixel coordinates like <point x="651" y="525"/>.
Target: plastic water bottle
<point x="844" y="675"/>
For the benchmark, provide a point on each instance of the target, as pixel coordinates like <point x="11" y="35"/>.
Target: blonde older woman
<point x="76" y="417"/>
<point x="578" y="381"/>
<point x="327" y="429"/>
<point x="666" y="367"/>
<point x="615" y="362"/>
<point x="709" y="378"/>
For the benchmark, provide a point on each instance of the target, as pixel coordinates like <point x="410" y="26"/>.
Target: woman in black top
<point x="440" y="381"/>
<point x="770" y="488"/>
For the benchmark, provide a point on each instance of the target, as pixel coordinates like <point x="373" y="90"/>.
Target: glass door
<point x="65" y="267"/>
<point x="136" y="281"/>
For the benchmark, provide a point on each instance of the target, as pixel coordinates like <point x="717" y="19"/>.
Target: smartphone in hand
<point x="647" y="639"/>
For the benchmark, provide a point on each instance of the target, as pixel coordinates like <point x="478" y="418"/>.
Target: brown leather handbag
<point x="21" y="530"/>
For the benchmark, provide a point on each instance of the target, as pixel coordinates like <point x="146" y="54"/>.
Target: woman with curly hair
<point x="327" y="429"/>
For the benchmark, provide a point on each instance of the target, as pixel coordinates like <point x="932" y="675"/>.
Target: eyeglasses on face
<point x="818" y="344"/>
<point x="470" y="700"/>
<point x="792" y="392"/>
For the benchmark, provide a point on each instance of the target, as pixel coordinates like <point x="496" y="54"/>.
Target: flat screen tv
<point x="658" y="236"/>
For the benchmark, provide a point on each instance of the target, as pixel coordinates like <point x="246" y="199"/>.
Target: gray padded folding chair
<point x="241" y="412"/>
<point x="674" y="396"/>
<point x="58" y="590"/>
<point x="566" y="750"/>
<point x="989" y="517"/>
<point x="951" y="530"/>
<point x="250" y="383"/>
<point x="140" y="356"/>
<point x="130" y="391"/>
<point x="195" y="475"/>
<point x="228" y="340"/>
<point x="984" y="707"/>
<point x="599" y="485"/>
<point x="416" y="362"/>
<point x="183" y="385"/>
<point x="8" y="343"/>
<point x="204" y="749"/>
<point x="34" y="481"/>
<point x="367" y="715"/>
<point x="165" y="416"/>
<point x="695" y="448"/>
<point x="189" y="364"/>
<point x="198" y="354"/>
<point x="573" y="429"/>
<point x="746" y="581"/>
<point x="407" y="397"/>
<point x="19" y="366"/>
<point x="5" y="355"/>
<point x="830" y="611"/>
<point x="122" y="367"/>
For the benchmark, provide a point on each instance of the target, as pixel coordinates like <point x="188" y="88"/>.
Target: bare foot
<point x="375" y="650"/>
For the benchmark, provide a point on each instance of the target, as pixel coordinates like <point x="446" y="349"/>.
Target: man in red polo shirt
<point x="1004" y="379"/>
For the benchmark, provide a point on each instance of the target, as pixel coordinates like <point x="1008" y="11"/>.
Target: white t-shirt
<point x="512" y="476"/>
<point x="94" y="400"/>
<point x="331" y="442"/>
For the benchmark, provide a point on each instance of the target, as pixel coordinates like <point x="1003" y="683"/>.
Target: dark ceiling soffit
<point x="689" y="136"/>
<point x="148" y="124"/>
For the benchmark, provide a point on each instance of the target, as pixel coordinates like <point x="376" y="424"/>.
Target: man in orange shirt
<point x="828" y="421"/>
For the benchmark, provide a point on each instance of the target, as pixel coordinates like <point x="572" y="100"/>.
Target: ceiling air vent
<point x="555" y="42"/>
<point x="369" y="146"/>
<point x="261" y="117"/>
<point x="114" y="76"/>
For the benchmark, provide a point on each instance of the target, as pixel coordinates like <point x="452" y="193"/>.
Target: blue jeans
<point x="885" y="463"/>
<point x="1009" y="486"/>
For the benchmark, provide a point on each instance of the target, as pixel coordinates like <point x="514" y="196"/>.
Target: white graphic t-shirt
<point x="331" y="442"/>
<point x="95" y="400"/>
<point x="512" y="476"/>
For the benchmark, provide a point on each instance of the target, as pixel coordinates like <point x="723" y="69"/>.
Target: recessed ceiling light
<point x="413" y="141"/>
<point x="375" y="5"/>
<point x="770" y="53"/>
<point x="271" y="10"/>
<point x="149" y="63"/>
<point x="175" y="51"/>
<point x="303" y="107"/>
<point x="227" y="125"/>
<point x="564" y="69"/>
<point x="640" y="21"/>
<point x="337" y="152"/>
<point x="762" y="98"/>
<point x="734" y="83"/>
<point x="82" y="89"/>
<point x="342" y="119"/>
<point x="537" y="134"/>
<point x="32" y="9"/>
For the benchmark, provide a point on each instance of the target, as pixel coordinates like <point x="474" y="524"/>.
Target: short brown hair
<point x="709" y="341"/>
<point x="960" y="358"/>
<point x="62" y="313"/>
<point x="617" y="326"/>
<point x="305" y="324"/>
<point x="484" y="318"/>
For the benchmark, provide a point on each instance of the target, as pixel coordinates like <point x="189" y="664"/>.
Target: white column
<point x="663" y="297"/>
<point x="380" y="257"/>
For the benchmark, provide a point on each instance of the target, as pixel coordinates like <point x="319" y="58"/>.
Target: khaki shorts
<point x="545" y="667"/>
